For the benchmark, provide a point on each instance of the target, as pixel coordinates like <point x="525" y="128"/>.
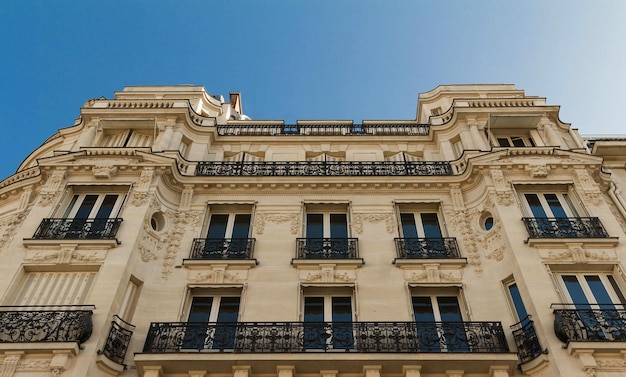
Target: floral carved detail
<point x="9" y="225"/>
<point x="183" y="221"/>
<point x="503" y="193"/>
<point x="104" y="171"/>
<point x="611" y="363"/>
<point x="218" y="275"/>
<point x="52" y="188"/>
<point x="590" y="190"/>
<point x="276" y="218"/>
<point x="460" y="222"/>
<point x="141" y="193"/>
<point x="33" y="364"/>
<point x="539" y="170"/>
<point x="360" y="218"/>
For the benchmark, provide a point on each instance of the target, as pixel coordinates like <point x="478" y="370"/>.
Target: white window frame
<point x="417" y="210"/>
<point x="326" y="211"/>
<point x="570" y="203"/>
<point x="614" y="296"/>
<point x="72" y="206"/>
<point x="231" y="210"/>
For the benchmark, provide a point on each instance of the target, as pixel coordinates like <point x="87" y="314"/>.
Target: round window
<point x="157" y="221"/>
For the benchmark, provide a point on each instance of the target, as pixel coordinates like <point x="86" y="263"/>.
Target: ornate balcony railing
<point x="322" y="129"/>
<point x="564" y="227"/>
<point x="222" y="248"/>
<point x="104" y="229"/>
<point x="417" y="248"/>
<point x="594" y="323"/>
<point x="528" y="346"/>
<point x="323" y="168"/>
<point x="289" y="337"/>
<point x="118" y="340"/>
<point x="20" y="324"/>
<point x="327" y="248"/>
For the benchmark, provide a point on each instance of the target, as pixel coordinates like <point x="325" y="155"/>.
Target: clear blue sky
<point x="335" y="59"/>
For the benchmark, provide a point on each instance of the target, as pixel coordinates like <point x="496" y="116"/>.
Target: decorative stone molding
<point x="277" y="218"/>
<point x="66" y="254"/>
<point x="588" y="187"/>
<point x="141" y="192"/>
<point x="360" y="218"/>
<point x="538" y="170"/>
<point x="327" y="273"/>
<point x="102" y="171"/>
<point x="33" y="365"/>
<point x="433" y="273"/>
<point x="576" y="253"/>
<point x="218" y="274"/>
<point x="461" y="224"/>
<point x="53" y="187"/>
<point x="181" y="220"/>
<point x="503" y="191"/>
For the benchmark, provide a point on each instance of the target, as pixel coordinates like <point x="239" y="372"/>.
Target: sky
<point x="308" y="59"/>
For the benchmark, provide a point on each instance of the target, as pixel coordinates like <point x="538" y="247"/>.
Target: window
<point x="327" y="234"/>
<point x="129" y="302"/>
<point x="402" y="157"/>
<point x="422" y="235"/>
<point x="592" y="290"/>
<point x="128" y="138"/>
<point x="93" y="206"/>
<point x="440" y="326"/>
<point x="518" y="303"/>
<point x="228" y="234"/>
<point x="325" y="157"/>
<point x="554" y="204"/>
<point x="328" y="322"/>
<point x="55" y="288"/>
<point x="242" y="157"/>
<point x="87" y="215"/>
<point x="515" y="141"/>
<point x="212" y="322"/>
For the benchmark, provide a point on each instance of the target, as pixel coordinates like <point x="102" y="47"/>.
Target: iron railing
<point x="526" y="340"/>
<point x="20" y="324"/>
<point x="222" y="248"/>
<point x="564" y="227"/>
<point x="323" y="168"/>
<point x="322" y="129"/>
<point x="327" y="248"/>
<point x="118" y="340"/>
<point x="417" y="248"/>
<point x="104" y="229"/>
<point x="602" y="323"/>
<point x="292" y="337"/>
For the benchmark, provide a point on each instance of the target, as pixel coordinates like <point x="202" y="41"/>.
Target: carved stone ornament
<point x="360" y="218"/>
<point x="28" y="365"/>
<point x="104" y="171"/>
<point x="590" y="191"/>
<point x="184" y="221"/>
<point x="67" y="254"/>
<point x="328" y="274"/>
<point x="577" y="254"/>
<point x="432" y="274"/>
<point x="539" y="170"/>
<point x="9" y="225"/>
<point x="277" y="218"/>
<point x="461" y="224"/>
<point x="217" y="275"/>
<point x="141" y="193"/>
<point x="503" y="194"/>
<point x="53" y="187"/>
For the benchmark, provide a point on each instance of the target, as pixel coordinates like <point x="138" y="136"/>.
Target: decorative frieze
<point x="277" y="218"/>
<point x="360" y="218"/>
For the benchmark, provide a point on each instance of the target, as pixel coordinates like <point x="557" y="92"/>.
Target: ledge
<point x="409" y="262"/>
<point x="230" y="262"/>
<point x="536" y="365"/>
<point x="589" y="347"/>
<point x="109" y="366"/>
<point x="63" y="241"/>
<point x="312" y="363"/>
<point x="41" y="347"/>
<point x="316" y="262"/>
<point x="585" y="242"/>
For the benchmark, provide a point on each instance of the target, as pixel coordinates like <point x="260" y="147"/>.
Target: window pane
<point x="338" y="225"/>
<point x="503" y="142"/>
<point x="70" y="206"/>
<point x="449" y="309"/>
<point x="555" y="205"/>
<point x="217" y="226"/>
<point x="314" y="225"/>
<point x="423" y="309"/>
<point x="575" y="291"/>
<point x="86" y="206"/>
<point x="617" y="290"/>
<point x="516" y="297"/>
<point x="200" y="309"/>
<point x="342" y="309"/>
<point x="535" y="205"/>
<point x="241" y="229"/>
<point x="518" y="142"/>
<point x="599" y="291"/>
<point x="229" y="309"/>
<point x="409" y="230"/>
<point x="107" y="206"/>
<point x="314" y="309"/>
<point x="431" y="225"/>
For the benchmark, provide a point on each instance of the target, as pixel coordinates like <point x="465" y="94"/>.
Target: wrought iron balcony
<point x="418" y="248"/>
<point x="599" y="324"/>
<point x="327" y="248"/>
<point x="103" y="229"/>
<point x="222" y="248"/>
<point x="289" y="337"/>
<point x="322" y="129"/>
<point x="323" y="168"/>
<point x="565" y="227"/>
<point x="19" y="324"/>
<point x="117" y="341"/>
<point x="528" y="347"/>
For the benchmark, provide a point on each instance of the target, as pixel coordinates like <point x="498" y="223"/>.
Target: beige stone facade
<point x="165" y="234"/>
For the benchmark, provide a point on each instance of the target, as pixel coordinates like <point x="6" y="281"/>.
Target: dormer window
<point x="515" y="141"/>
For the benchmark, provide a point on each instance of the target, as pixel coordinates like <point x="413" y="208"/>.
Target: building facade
<point x="165" y="234"/>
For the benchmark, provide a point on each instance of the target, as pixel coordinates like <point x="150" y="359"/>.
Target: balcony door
<point x="439" y="324"/>
<point x="89" y="214"/>
<point x="599" y="304"/>
<point x="328" y="323"/>
<point x="422" y="234"/>
<point x="557" y="205"/>
<point x="227" y="235"/>
<point x="327" y="235"/>
<point x="212" y="323"/>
